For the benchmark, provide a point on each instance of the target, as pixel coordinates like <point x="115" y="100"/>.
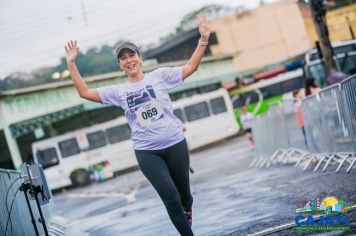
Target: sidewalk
<point x="229" y="197"/>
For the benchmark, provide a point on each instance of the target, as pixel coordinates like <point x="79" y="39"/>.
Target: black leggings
<point x="168" y="171"/>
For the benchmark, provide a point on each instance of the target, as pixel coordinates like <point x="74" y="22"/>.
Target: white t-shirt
<point x="246" y="120"/>
<point x="148" y="108"/>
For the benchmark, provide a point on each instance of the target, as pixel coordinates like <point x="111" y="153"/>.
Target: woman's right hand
<point x="72" y="51"/>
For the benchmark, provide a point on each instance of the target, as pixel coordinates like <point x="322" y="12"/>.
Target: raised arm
<point x="193" y="63"/>
<point x="72" y="51"/>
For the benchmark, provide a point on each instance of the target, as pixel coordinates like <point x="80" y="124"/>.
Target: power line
<point x="18" y="40"/>
<point x="134" y="32"/>
<point x="35" y="36"/>
<point x="61" y="11"/>
<point x="52" y="23"/>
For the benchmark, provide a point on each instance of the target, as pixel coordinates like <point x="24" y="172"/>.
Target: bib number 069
<point x="149" y="113"/>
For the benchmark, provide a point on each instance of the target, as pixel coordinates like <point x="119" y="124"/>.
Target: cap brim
<point x="126" y="47"/>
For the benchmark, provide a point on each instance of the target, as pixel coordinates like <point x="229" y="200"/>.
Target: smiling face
<point x="130" y="63"/>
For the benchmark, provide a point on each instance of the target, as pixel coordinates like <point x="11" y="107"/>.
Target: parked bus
<point x="344" y="56"/>
<point x="67" y="159"/>
<point x="257" y="96"/>
<point x="73" y="158"/>
<point x="206" y="117"/>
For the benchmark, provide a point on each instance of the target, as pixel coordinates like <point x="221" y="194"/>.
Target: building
<point x="276" y="32"/>
<point x="341" y="23"/>
<point x="262" y="36"/>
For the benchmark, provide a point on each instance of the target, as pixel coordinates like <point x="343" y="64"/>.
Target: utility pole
<point x="318" y="10"/>
<point x="84" y="12"/>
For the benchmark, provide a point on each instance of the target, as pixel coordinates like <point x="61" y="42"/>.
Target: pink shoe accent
<point x="189" y="217"/>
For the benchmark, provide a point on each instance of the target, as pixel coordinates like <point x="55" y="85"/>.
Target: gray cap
<point x="127" y="45"/>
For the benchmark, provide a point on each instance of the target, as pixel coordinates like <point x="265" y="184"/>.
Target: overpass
<point x="26" y="112"/>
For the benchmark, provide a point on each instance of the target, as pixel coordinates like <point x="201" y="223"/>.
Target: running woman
<point x="160" y="147"/>
<point x="246" y="119"/>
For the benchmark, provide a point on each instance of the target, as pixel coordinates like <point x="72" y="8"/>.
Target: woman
<point x="310" y="86"/>
<point x="298" y="96"/>
<point x="246" y="119"/>
<point x="160" y="147"/>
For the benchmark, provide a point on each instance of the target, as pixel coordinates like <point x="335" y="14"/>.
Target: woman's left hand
<point x="204" y="28"/>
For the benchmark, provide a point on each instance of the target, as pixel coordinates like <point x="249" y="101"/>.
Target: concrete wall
<point x="262" y="36"/>
<point x="337" y="23"/>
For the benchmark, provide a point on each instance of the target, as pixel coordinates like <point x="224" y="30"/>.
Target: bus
<point x="344" y="56"/>
<point x="257" y="96"/>
<point x="206" y="118"/>
<point x="78" y="157"/>
<point x="69" y="159"/>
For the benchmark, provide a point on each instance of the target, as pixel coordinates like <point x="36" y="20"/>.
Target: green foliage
<point x="93" y="62"/>
<point x="189" y="21"/>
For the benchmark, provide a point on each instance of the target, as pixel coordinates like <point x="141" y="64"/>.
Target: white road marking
<point x="129" y="196"/>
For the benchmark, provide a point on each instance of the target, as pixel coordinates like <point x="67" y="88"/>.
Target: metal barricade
<point x="295" y="136"/>
<point x="334" y="125"/>
<point x="348" y="92"/>
<point x="263" y="131"/>
<point x="256" y="126"/>
<point x="329" y="125"/>
<point x="316" y="139"/>
<point x="13" y="203"/>
<point x="279" y="138"/>
<point x="295" y="133"/>
<point x="288" y="138"/>
<point x="261" y="135"/>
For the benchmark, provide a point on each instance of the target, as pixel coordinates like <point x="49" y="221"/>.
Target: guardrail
<point x="329" y="125"/>
<point x="15" y="213"/>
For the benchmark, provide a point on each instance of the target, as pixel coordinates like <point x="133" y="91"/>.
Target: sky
<point x="33" y="33"/>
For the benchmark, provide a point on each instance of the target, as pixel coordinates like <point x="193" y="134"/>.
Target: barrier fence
<point x="328" y="136"/>
<point x="15" y="216"/>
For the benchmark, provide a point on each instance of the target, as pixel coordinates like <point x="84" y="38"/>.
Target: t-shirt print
<point x="145" y="105"/>
<point x="151" y="128"/>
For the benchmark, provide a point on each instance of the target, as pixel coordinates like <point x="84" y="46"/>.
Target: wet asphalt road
<point x="230" y="198"/>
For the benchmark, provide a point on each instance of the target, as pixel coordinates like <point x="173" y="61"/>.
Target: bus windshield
<point x="346" y="64"/>
<point x="317" y="71"/>
<point x="345" y="56"/>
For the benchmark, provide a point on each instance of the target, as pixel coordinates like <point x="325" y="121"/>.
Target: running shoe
<point x="189" y="217"/>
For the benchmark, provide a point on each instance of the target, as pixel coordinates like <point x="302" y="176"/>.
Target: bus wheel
<point x="80" y="178"/>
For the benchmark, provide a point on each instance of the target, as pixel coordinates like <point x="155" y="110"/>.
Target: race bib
<point x="149" y="112"/>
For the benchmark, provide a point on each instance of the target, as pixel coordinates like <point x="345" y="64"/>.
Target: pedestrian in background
<point x="160" y="147"/>
<point x="310" y="86"/>
<point x="298" y="95"/>
<point x="246" y="119"/>
<point x="336" y="77"/>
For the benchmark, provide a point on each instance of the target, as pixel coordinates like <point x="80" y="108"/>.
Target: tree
<point x="94" y="61"/>
<point x="188" y="21"/>
<point x="318" y="10"/>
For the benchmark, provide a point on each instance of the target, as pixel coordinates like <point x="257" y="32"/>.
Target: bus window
<point x="271" y="91"/>
<point x="218" y="105"/>
<point x="47" y="157"/>
<point x="179" y="113"/>
<point x="291" y="85"/>
<point x="197" y="111"/>
<point x="318" y="72"/>
<point x="348" y="64"/>
<point x="69" y="147"/>
<point x="96" y="139"/>
<point x="344" y="52"/>
<point x="118" y="133"/>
